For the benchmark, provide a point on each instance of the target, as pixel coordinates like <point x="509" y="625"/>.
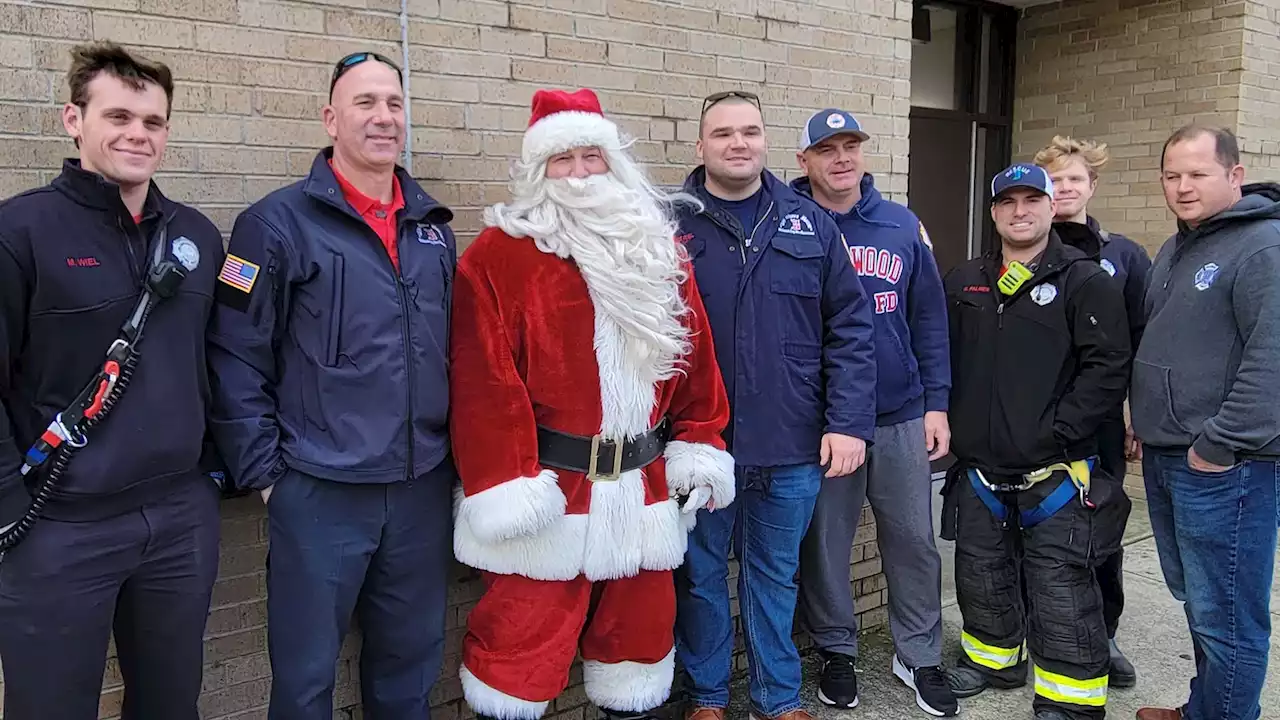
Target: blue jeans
<point x="765" y="524"/>
<point x="1216" y="536"/>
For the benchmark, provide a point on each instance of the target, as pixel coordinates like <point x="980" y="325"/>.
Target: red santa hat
<point x="562" y="121"/>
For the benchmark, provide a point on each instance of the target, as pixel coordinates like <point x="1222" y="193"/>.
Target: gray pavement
<point x="1153" y="633"/>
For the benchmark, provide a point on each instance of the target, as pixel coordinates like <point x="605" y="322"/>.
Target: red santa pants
<point x="523" y="635"/>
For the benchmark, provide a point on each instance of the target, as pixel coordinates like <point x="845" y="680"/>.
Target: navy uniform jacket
<point x="791" y="325"/>
<point x="322" y="357"/>
<point x="72" y="263"/>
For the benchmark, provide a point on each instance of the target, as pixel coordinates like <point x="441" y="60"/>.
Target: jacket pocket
<point x="319" y="328"/>
<point x="796" y="267"/>
<point x="896" y="369"/>
<point x="1152" y="407"/>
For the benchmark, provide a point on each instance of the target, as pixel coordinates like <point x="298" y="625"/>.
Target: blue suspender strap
<point x="1055" y="501"/>
<point x="987" y="497"/>
<point x="1069" y="488"/>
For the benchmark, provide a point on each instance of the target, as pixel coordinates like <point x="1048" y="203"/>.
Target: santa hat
<point x="563" y="120"/>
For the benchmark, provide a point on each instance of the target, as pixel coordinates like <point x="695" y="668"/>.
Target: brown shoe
<point x="1159" y="714"/>
<point x="705" y="713"/>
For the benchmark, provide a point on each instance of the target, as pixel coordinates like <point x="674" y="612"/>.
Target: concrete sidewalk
<point x="1153" y="633"/>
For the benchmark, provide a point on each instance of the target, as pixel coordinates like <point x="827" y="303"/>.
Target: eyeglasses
<point x="355" y="59"/>
<point x="714" y="98"/>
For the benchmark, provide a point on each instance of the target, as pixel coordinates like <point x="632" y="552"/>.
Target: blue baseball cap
<point x="1021" y="175"/>
<point x="825" y="123"/>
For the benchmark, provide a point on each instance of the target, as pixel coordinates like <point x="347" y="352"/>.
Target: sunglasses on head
<point x="714" y="98"/>
<point x="355" y="59"/>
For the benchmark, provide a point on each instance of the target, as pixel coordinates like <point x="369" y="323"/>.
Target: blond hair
<point x="1061" y="149"/>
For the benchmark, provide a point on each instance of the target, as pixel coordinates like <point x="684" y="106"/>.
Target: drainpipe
<point x="408" y="106"/>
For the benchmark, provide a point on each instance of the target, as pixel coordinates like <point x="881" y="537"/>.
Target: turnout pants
<point x="523" y="635"/>
<point x="896" y="479"/>
<point x="1062" y="622"/>
<point x="379" y="552"/>
<point x="1110" y="570"/>
<point x="146" y="575"/>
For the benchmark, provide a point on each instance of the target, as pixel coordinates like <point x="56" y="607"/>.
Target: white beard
<point x="624" y="245"/>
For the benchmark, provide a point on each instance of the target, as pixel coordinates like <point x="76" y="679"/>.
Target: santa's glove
<point x="702" y="472"/>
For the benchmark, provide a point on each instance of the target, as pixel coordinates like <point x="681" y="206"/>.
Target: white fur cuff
<point x="691" y="465"/>
<point x="629" y="687"/>
<point x="520" y="507"/>
<point x="563" y="131"/>
<point x="486" y="700"/>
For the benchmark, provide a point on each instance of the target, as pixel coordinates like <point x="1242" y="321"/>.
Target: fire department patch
<point x="796" y="224"/>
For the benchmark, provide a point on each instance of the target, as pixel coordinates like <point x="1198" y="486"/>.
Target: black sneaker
<point x="839" y="684"/>
<point x="933" y="693"/>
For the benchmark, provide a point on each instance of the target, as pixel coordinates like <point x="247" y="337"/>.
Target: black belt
<point x="579" y="453"/>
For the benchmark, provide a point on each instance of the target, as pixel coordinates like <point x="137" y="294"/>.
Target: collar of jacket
<point x="322" y="185"/>
<point x="779" y="192"/>
<point x="95" y="191"/>
<point x="1056" y="256"/>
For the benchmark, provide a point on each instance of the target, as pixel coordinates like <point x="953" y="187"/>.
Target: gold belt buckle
<point x="592" y="475"/>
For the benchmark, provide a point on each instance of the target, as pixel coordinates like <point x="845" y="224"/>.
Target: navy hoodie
<point x="72" y="262"/>
<point x="889" y="248"/>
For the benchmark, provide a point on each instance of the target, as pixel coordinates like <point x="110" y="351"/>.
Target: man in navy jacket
<point x="890" y="250"/>
<point x="328" y="356"/>
<point x="128" y="542"/>
<point x="793" y="336"/>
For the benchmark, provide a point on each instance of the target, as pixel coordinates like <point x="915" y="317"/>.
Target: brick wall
<point x="1260" y="91"/>
<point x="1129" y="72"/>
<point x="252" y="76"/>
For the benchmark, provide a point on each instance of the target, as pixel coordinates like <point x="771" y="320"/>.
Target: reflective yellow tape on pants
<point x="996" y="658"/>
<point x="1063" y="689"/>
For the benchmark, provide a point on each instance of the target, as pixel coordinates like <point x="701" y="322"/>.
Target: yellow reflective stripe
<point x="1060" y="688"/>
<point x="996" y="658"/>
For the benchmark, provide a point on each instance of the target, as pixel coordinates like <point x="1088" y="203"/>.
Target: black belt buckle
<point x="592" y="467"/>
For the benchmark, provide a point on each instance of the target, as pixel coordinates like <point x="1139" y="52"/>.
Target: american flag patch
<point x="238" y="273"/>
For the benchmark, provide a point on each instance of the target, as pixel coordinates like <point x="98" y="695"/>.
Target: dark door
<point x="938" y="185"/>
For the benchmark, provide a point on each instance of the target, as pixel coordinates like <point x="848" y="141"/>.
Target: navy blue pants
<point x="146" y="574"/>
<point x="378" y="552"/>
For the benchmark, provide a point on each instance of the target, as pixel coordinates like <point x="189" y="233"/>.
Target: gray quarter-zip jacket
<point x="1207" y="372"/>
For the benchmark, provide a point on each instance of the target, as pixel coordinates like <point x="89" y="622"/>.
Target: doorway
<point x="962" y="60"/>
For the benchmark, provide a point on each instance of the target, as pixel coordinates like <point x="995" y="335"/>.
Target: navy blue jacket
<point x="72" y="262"/>
<point x="791" y="325"/>
<point x="890" y="252"/>
<point x="332" y="363"/>
<point x="1129" y="264"/>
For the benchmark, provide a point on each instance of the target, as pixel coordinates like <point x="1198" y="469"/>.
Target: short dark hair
<point x="1226" y="148"/>
<point x="87" y="61"/>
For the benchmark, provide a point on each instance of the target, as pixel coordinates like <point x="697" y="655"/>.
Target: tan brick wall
<point x="252" y="75"/>
<point x="1128" y="72"/>
<point x="1260" y="91"/>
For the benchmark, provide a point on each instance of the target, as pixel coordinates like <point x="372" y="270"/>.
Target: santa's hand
<point x="698" y="498"/>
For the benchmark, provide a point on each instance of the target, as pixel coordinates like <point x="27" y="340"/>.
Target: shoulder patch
<point x="239" y="273"/>
<point x="924" y="237"/>
<point x="235" y="281"/>
<point x="1108" y="266"/>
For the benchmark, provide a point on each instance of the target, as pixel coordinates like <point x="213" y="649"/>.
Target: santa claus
<point x="587" y="409"/>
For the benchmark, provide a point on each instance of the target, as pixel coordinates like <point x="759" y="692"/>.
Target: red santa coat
<point x="528" y="348"/>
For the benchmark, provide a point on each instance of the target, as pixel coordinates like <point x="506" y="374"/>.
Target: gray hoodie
<point x="1207" y="373"/>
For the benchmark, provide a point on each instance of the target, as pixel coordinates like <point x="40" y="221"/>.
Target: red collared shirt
<point x="381" y="217"/>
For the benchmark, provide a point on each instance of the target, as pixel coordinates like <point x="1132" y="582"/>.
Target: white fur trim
<point x="520" y="507"/>
<point x="657" y="538"/>
<point x="629" y="686"/>
<point x="486" y="700"/>
<point x="691" y="465"/>
<point x="562" y="131"/>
